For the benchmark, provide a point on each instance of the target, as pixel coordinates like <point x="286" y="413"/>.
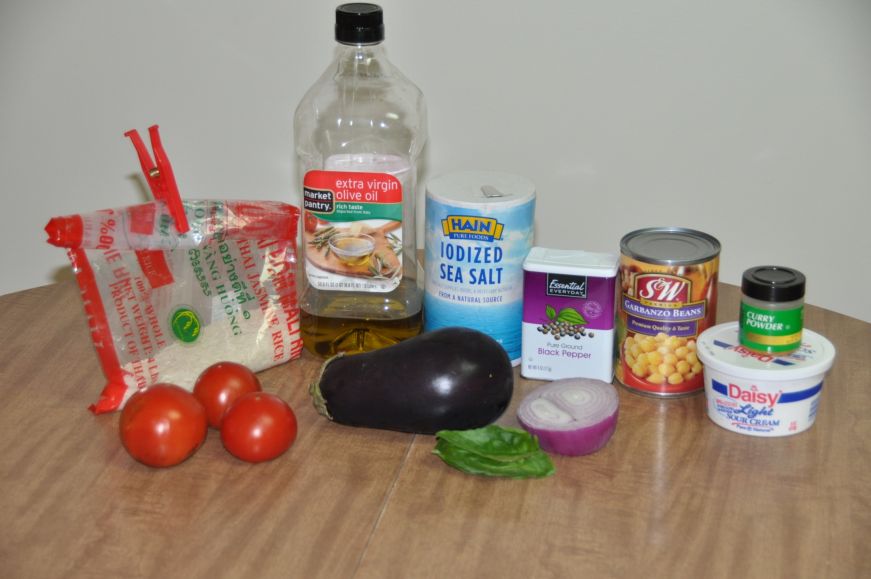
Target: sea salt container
<point x="479" y="228"/>
<point x="762" y="394"/>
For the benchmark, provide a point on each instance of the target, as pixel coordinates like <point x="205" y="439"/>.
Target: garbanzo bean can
<point x="668" y="296"/>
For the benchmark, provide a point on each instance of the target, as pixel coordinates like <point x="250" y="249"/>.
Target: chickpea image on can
<point x="668" y="296"/>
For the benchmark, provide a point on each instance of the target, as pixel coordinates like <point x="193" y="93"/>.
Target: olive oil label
<point x="352" y="230"/>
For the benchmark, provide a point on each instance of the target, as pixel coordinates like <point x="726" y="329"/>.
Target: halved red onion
<point x="572" y="417"/>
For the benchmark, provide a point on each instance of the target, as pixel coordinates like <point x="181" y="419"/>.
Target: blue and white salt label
<point x="474" y="267"/>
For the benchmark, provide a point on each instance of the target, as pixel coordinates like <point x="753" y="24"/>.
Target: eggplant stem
<point x="314" y="389"/>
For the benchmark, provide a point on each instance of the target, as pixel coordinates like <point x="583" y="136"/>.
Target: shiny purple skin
<point x="575" y="442"/>
<point x="448" y="379"/>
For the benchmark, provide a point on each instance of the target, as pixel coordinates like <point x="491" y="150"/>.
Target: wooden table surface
<point x="671" y="495"/>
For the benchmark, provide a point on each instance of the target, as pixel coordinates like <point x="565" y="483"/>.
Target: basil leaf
<point x="536" y="465"/>
<point x="493" y="441"/>
<point x="494" y="451"/>
<point x="571" y="316"/>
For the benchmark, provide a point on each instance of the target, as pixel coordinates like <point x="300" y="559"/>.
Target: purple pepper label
<point x="577" y="300"/>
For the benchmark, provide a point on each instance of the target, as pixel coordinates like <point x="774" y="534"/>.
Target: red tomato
<point x="258" y="427"/>
<point x="310" y="221"/>
<point x="162" y="425"/>
<point x="220" y="385"/>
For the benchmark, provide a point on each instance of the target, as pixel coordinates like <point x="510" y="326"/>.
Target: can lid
<point x="359" y="23"/>
<point x="720" y="348"/>
<point x="670" y="246"/>
<point x="474" y="189"/>
<point x="571" y="261"/>
<point x="773" y="283"/>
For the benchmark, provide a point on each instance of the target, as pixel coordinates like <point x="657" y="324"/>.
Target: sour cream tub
<point x="760" y="394"/>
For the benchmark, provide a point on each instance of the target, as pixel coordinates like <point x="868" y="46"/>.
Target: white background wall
<point x="747" y="119"/>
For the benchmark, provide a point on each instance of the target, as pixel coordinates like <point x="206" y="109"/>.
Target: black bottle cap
<point x="359" y="23"/>
<point x="773" y="283"/>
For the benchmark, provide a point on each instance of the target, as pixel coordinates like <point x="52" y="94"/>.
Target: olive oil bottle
<point x="358" y="132"/>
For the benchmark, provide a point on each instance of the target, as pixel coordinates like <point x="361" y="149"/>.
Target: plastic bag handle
<point x="158" y="173"/>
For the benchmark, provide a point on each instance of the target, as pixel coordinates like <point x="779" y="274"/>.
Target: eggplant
<point x="448" y="379"/>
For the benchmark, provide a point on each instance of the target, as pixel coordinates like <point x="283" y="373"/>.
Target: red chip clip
<point x="159" y="175"/>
